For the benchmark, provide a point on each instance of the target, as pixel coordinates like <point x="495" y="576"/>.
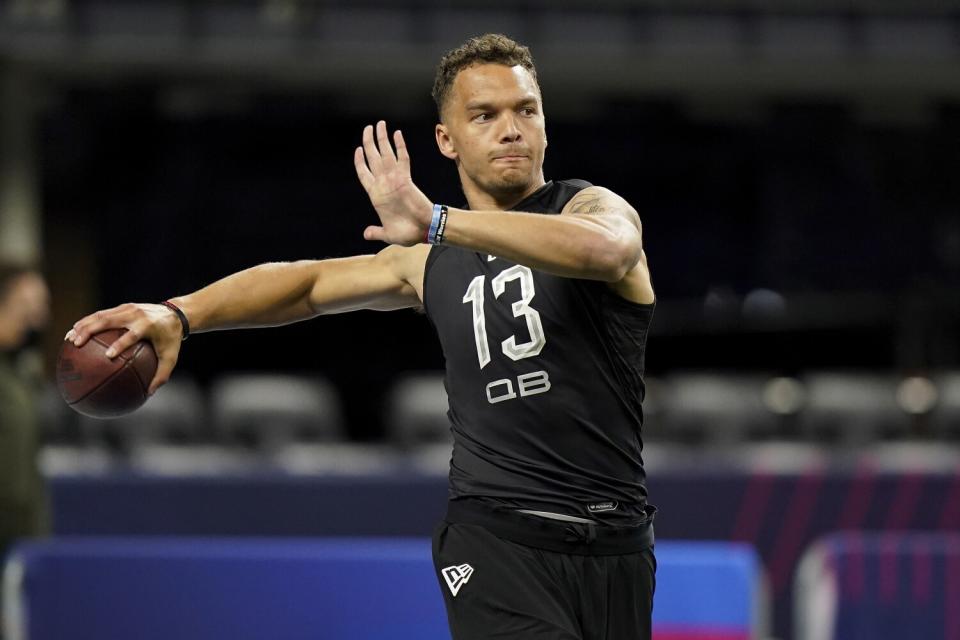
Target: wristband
<point x="184" y="323"/>
<point x="437" y="224"/>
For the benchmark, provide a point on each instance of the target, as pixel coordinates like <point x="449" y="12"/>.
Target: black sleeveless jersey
<point x="544" y="376"/>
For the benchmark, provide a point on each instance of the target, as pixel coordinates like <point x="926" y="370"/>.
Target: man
<point x="542" y="320"/>
<point x="24" y="307"/>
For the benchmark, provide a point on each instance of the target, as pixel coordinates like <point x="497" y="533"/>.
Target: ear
<point x="445" y="142"/>
<point x="544" y="116"/>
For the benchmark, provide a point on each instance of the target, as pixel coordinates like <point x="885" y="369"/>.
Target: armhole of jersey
<point x="432" y="256"/>
<point x="623" y="303"/>
<point x="578" y="184"/>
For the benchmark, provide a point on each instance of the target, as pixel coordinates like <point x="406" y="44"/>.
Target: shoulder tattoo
<point x="590" y="203"/>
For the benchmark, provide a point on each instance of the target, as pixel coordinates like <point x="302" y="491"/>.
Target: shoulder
<point x="405" y="266"/>
<point x="595" y="199"/>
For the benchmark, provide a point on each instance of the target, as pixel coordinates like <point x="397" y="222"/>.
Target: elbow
<point x="307" y="292"/>
<point x="611" y="259"/>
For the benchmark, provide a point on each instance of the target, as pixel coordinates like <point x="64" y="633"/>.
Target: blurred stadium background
<point x="795" y="165"/>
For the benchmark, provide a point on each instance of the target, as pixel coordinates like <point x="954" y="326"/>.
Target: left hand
<point x="405" y="212"/>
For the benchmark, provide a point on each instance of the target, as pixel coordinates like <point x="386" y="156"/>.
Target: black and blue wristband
<point x="437" y="225"/>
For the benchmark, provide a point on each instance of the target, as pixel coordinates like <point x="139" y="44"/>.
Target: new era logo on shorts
<point x="457" y="576"/>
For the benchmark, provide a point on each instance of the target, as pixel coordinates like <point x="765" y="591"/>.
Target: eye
<point x="483" y="117"/>
<point x="528" y="111"/>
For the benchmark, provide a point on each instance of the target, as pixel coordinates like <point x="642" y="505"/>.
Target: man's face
<point x="493" y="127"/>
<point x="24" y="307"/>
<point x="33" y="297"/>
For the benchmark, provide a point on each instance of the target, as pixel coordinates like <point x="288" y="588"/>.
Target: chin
<point x="509" y="184"/>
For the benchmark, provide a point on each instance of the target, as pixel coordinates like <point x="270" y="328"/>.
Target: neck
<point x="480" y="200"/>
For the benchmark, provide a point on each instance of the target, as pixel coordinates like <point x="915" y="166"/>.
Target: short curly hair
<point x="492" y="48"/>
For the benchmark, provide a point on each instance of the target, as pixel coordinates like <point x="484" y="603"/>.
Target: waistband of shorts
<point x="553" y="535"/>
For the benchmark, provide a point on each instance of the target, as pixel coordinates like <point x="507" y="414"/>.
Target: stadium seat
<point x="654" y="400"/>
<point x="910" y="456"/>
<point x="168" y="435"/>
<point x="717" y="408"/>
<point x="174" y="414"/>
<point x="417" y="421"/>
<point x="417" y="410"/>
<point x="945" y="417"/>
<point x="65" y="448"/>
<point x="58" y="422"/>
<point x="774" y="456"/>
<point x="268" y="411"/>
<point x="852" y="407"/>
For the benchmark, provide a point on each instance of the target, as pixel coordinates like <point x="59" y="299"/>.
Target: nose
<point x="510" y="132"/>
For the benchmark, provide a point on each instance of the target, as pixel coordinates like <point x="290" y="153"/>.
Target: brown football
<point x="96" y="386"/>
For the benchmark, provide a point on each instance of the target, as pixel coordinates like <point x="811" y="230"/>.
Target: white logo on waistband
<point x="457" y="576"/>
<point x="609" y="505"/>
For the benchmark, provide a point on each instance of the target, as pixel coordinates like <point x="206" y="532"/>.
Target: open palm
<point x="404" y="211"/>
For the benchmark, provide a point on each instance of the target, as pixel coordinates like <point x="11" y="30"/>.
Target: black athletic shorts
<point x="494" y="587"/>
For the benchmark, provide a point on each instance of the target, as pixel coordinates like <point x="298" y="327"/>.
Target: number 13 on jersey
<point x="529" y="383"/>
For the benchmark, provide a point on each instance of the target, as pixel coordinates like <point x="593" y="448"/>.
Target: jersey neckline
<point x="533" y="197"/>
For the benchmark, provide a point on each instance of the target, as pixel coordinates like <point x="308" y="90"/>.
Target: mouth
<point x="510" y="158"/>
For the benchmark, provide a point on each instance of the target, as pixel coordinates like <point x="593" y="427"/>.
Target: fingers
<point x="95" y="323"/>
<point x="402" y="156"/>
<point x="165" y="367"/>
<point x="124" y="342"/>
<point x="383" y="141"/>
<point x="363" y="172"/>
<point x="141" y="321"/>
<point x="374" y="160"/>
<point x="377" y="148"/>
<point x="374" y="233"/>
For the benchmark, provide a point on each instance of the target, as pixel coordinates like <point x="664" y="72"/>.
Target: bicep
<point x="604" y="208"/>
<point x="621" y="221"/>
<point x="377" y="282"/>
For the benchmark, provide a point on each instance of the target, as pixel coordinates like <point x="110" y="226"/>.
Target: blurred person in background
<point x="541" y="297"/>
<point x="24" y="312"/>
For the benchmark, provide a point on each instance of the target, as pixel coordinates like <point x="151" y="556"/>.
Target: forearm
<point x="568" y="246"/>
<point x="267" y="295"/>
